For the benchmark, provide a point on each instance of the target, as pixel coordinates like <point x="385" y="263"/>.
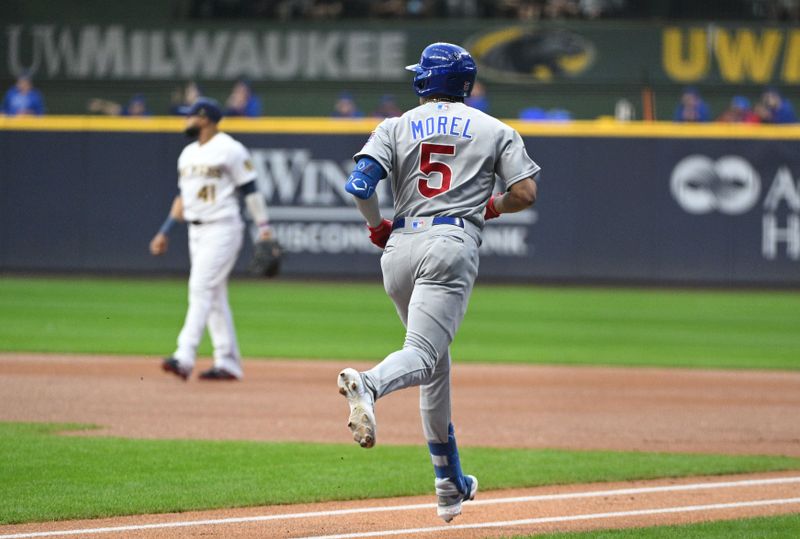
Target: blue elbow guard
<point x="365" y="177"/>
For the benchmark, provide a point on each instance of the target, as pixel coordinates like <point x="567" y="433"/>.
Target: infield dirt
<point x="671" y="410"/>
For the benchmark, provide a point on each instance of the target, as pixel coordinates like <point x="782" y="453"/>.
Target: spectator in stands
<point x="692" y="108"/>
<point x="325" y="9"/>
<point x="345" y="107"/>
<point x="242" y="101"/>
<point x="393" y="9"/>
<point x="739" y="112"/>
<point x="527" y="10"/>
<point x="478" y="99"/>
<point x="557" y="9"/>
<point x="387" y="108"/>
<point x="624" y="111"/>
<point x="559" y="115"/>
<point x="593" y="9"/>
<point x="533" y="114"/>
<point x="777" y="10"/>
<point x="774" y="108"/>
<point x="137" y="106"/>
<point x="538" y="114"/>
<point x="23" y="99"/>
<point x="184" y="97"/>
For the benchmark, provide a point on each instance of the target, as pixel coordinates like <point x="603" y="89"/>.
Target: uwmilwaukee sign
<point x="117" y="52"/>
<point x="597" y="52"/>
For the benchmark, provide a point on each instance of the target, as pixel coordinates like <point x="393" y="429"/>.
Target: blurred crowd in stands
<point x="23" y="99"/>
<point x="354" y="9"/>
<point x="242" y="101"/>
<point x="771" y="108"/>
<point x="773" y="10"/>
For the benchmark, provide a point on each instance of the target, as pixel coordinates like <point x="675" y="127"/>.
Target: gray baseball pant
<point x="429" y="275"/>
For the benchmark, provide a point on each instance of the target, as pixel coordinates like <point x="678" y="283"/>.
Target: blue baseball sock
<point x="446" y="464"/>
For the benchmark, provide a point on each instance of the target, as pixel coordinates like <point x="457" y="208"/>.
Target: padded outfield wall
<point x="618" y="202"/>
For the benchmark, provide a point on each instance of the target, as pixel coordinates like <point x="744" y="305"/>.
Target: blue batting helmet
<point x="207" y="107"/>
<point x="444" y="69"/>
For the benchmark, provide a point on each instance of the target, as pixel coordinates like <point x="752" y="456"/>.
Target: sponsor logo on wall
<point x="312" y="213"/>
<point x="731" y="186"/>
<point x="728" y="185"/>
<point x="524" y="54"/>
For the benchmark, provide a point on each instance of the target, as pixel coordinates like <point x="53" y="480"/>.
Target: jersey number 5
<point x="426" y="166"/>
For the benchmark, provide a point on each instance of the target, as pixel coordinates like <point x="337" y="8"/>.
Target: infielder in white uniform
<point x="442" y="158"/>
<point x="212" y="171"/>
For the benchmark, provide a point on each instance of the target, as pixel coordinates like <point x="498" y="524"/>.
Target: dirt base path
<point x="743" y="412"/>
<point x="494" y="514"/>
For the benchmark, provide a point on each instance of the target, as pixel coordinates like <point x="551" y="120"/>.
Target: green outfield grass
<point x="50" y="477"/>
<point x="780" y="527"/>
<point x="742" y="329"/>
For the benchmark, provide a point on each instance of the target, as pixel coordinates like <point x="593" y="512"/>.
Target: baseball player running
<point x="211" y="170"/>
<point x="442" y="158"/>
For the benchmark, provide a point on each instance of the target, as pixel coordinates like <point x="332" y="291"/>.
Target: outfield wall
<point x="637" y="202"/>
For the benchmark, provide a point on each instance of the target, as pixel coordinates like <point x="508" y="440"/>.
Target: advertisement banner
<point x="694" y="210"/>
<point x="117" y="52"/>
<point x="645" y="209"/>
<point x="507" y="53"/>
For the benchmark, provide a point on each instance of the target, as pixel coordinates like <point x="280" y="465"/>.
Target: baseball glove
<point x="266" y="260"/>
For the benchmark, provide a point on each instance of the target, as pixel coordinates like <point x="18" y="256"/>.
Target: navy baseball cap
<point x="206" y="107"/>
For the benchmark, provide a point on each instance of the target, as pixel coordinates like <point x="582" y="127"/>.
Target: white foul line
<point x="412" y="507"/>
<point x="546" y="520"/>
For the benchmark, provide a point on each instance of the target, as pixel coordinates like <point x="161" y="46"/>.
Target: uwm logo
<point x="738" y="55"/>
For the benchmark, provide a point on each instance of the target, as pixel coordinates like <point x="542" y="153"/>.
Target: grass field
<point x="782" y="527"/>
<point x="357" y="321"/>
<point x="49" y="477"/>
<point x="44" y="476"/>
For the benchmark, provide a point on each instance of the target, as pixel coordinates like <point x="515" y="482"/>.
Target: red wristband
<point x="491" y="211"/>
<point x="379" y="235"/>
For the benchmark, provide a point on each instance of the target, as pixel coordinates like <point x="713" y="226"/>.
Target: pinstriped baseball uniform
<point x="441" y="158"/>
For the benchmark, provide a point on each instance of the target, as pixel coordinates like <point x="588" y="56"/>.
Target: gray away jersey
<point x="442" y="159"/>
